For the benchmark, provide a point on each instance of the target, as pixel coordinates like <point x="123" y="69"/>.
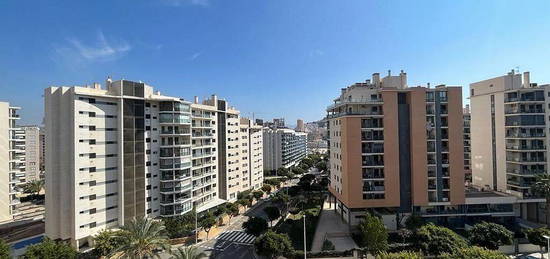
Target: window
<point x="93" y="211"/>
<point x="92" y="197"/>
<point x="92" y="141"/>
<point x="92" y="170"/>
<point x="93" y="183"/>
<point x="91" y="114"/>
<point x="92" y="155"/>
<point x="93" y="225"/>
<point x="91" y="128"/>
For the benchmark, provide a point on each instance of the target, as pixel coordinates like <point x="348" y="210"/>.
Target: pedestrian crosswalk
<point x="239" y="237"/>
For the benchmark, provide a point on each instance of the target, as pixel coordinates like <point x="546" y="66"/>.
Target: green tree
<point x="374" y="237"/>
<point x="244" y="202"/>
<point x="33" y="187"/>
<point x="180" y="226"/>
<point x="232" y="210"/>
<point x="51" y="250"/>
<point x="272" y="213"/>
<point x="142" y="237"/>
<point x="266" y="188"/>
<point x="327" y="245"/>
<point x="282" y="171"/>
<point x="4" y="250"/>
<point x="321" y="166"/>
<point x="414" y="221"/>
<point x="474" y="252"/>
<point x="207" y="222"/>
<point x="298" y="170"/>
<point x="400" y="255"/>
<point x="490" y="235"/>
<point x="542" y="188"/>
<point x="307" y="161"/>
<point x="255" y="226"/>
<point x="272" y="244"/>
<point x="188" y="252"/>
<point x="536" y="237"/>
<point x="435" y="240"/>
<point x="258" y="195"/>
<point x="106" y="242"/>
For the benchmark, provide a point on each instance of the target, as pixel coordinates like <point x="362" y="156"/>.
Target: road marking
<point x="239" y="237"/>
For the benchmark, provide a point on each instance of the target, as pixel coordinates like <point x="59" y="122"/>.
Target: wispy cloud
<point x="100" y="50"/>
<point x="202" y="3"/>
<point x="195" y="56"/>
<point x="316" y="53"/>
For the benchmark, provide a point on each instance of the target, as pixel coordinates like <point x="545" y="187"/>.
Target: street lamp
<point x="305" y="243"/>
<point x="196" y="226"/>
<point x="547" y="246"/>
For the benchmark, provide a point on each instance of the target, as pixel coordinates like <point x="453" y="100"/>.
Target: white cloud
<point x="76" y="51"/>
<point x="195" y="55"/>
<point x="316" y="53"/>
<point x="203" y="3"/>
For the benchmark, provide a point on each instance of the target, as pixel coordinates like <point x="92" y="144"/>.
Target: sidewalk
<point x="331" y="227"/>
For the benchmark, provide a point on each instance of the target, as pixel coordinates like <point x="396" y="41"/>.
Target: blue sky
<point x="276" y="58"/>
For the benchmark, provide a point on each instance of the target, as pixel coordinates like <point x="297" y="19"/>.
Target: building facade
<point x="300" y="127"/>
<point x="127" y="151"/>
<point x="12" y="161"/>
<point x="395" y="149"/>
<point x="510" y="140"/>
<point x="283" y="148"/>
<point x="32" y="153"/>
<point x="467" y="146"/>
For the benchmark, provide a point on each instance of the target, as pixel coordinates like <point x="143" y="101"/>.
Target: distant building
<point x="279" y="123"/>
<point x="42" y="140"/>
<point x="283" y="148"/>
<point x="32" y="153"/>
<point x="467" y="145"/>
<point x="300" y="126"/>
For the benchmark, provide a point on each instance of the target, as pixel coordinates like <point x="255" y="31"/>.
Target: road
<point x="216" y="248"/>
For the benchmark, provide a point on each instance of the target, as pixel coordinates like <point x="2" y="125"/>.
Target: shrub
<point x="474" y="252"/>
<point x="435" y="240"/>
<point x="399" y="255"/>
<point x="490" y="235"/>
<point x="51" y="250"/>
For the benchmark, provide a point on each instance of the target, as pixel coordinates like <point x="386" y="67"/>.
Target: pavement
<point x="333" y="228"/>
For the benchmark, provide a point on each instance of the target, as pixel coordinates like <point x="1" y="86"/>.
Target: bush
<point x="272" y="244"/>
<point x="435" y="240"/>
<point x="105" y="242"/>
<point x="474" y="253"/>
<point x="414" y="221"/>
<point x="490" y="235"/>
<point x="399" y="255"/>
<point x="374" y="235"/>
<point x="4" y="249"/>
<point x="327" y="245"/>
<point x="50" y="250"/>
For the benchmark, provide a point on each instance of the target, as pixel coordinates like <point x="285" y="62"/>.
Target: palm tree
<point x="542" y="188"/>
<point x="141" y="238"/>
<point x="188" y="252"/>
<point x="34" y="187"/>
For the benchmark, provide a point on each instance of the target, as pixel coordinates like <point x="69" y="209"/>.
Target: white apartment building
<point x="252" y="154"/>
<point x="12" y="161"/>
<point x="32" y="153"/>
<point x="283" y="148"/>
<point x="509" y="138"/>
<point x="126" y="151"/>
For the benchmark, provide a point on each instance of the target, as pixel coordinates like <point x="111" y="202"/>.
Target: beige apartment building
<point x="509" y="137"/>
<point x="127" y="151"/>
<point x="12" y="161"/>
<point x="396" y="149"/>
<point x="32" y="153"/>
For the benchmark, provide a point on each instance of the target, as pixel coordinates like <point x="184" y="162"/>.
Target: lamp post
<point x="196" y="227"/>
<point x="305" y="243"/>
<point x="547" y="246"/>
